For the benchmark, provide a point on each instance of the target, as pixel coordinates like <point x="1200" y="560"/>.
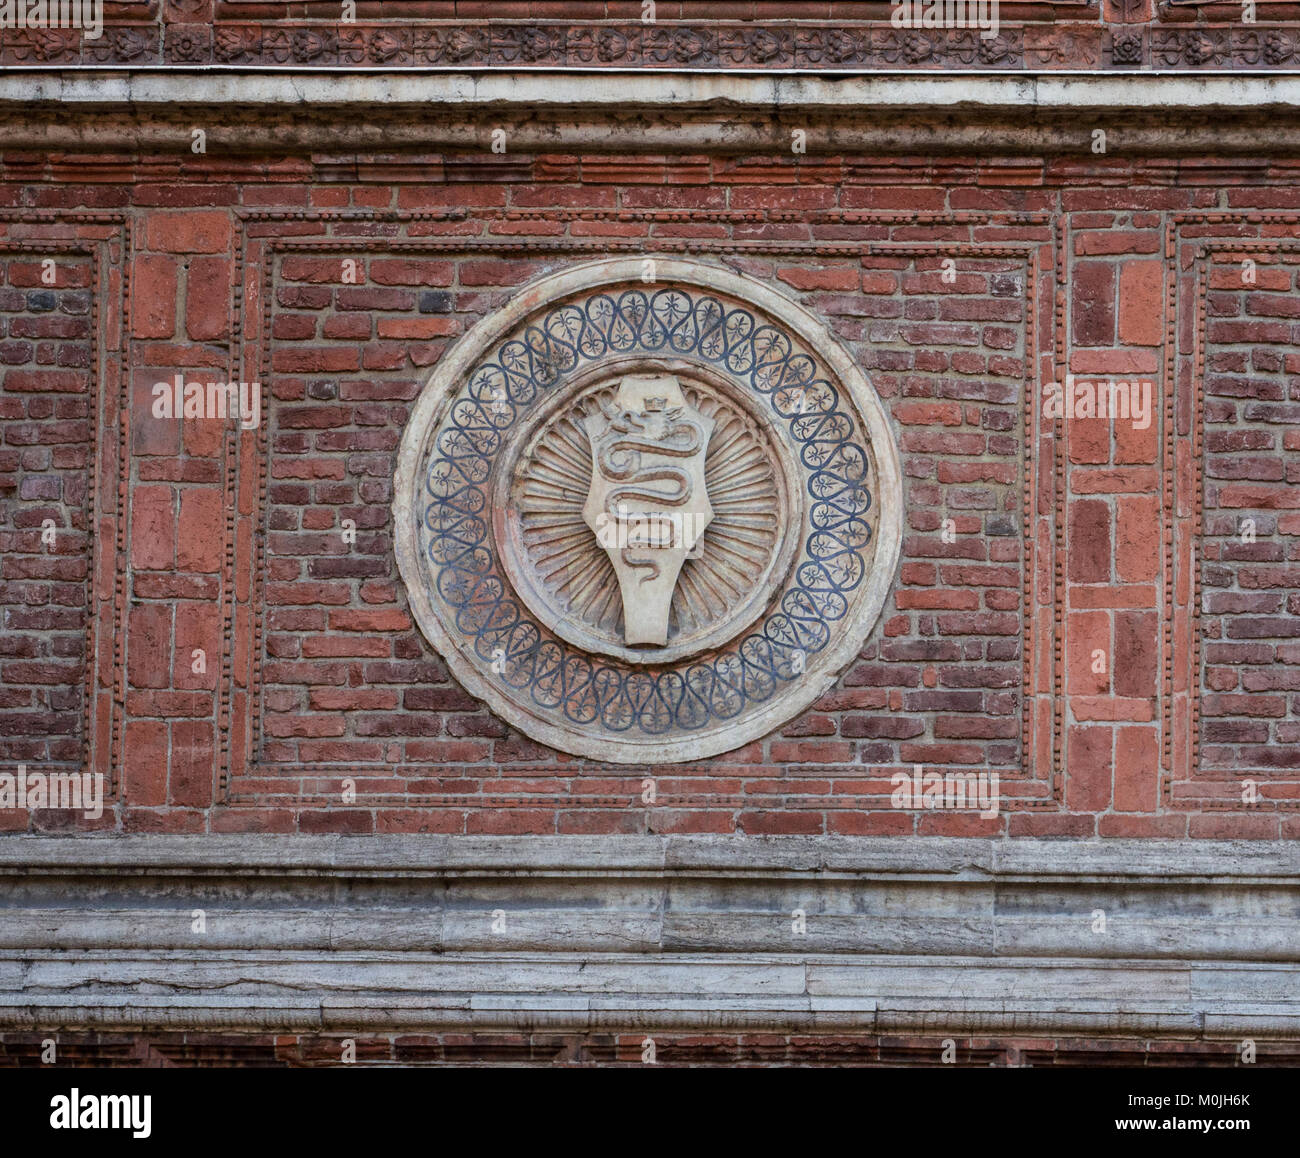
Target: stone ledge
<point x="1210" y="861"/>
<point x="629" y="993"/>
<point x="602" y="88"/>
<point x="97" y="110"/>
<point x="645" y="933"/>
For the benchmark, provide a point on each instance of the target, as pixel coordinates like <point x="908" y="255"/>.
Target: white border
<point x="841" y="91"/>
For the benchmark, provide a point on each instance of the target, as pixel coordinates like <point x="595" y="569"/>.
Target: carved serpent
<point x="620" y="458"/>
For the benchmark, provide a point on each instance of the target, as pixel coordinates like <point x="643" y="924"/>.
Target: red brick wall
<point x="1251" y="617"/>
<point x="1071" y="537"/>
<point x="46" y="449"/>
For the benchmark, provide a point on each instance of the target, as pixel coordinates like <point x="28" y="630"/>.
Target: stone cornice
<point x="245" y="111"/>
<point x="1080" y="861"/>
<point x="407" y="933"/>
<point x="903" y="90"/>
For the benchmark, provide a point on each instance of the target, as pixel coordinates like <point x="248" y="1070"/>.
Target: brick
<point x="1088" y="633"/>
<point x="803" y="278"/>
<point x="150" y="435"/>
<point x="1111" y="709"/>
<point x="1137" y="538"/>
<point x="190" y="232"/>
<point x="198" y="626"/>
<point x="1136" y="660"/>
<point x="416" y="328"/>
<point x="331" y="646"/>
<point x="45" y="381"/>
<point x="144" y="770"/>
<point x="153" y="528"/>
<point x="1088" y="768"/>
<point x="149" y="634"/>
<point x="1135" y="443"/>
<point x="192" y="764"/>
<point x="201" y="530"/>
<point x="207" y="299"/>
<point x="1088" y="551"/>
<point x="1093" y="303"/>
<point x="1088" y="439"/>
<point x="153" y="293"/>
<point x="1243" y="705"/>
<point x="349" y="325"/>
<point x="373" y="620"/>
<point x="1116" y="241"/>
<point x="1141" y="303"/>
<point x="402" y="271"/>
<point x="480" y="272"/>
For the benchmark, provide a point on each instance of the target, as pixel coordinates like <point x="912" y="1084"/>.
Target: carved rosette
<point x="647" y="523"/>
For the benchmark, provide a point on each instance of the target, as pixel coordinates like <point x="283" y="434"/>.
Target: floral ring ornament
<point x="647" y="522"/>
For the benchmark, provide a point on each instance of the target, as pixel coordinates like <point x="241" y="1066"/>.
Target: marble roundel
<point x="647" y="522"/>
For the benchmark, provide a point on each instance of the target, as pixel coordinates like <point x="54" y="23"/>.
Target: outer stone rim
<point x="439" y="394"/>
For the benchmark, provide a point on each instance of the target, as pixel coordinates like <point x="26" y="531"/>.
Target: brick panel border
<point x="266" y="234"/>
<point x="1196" y="244"/>
<point x="104" y="239"/>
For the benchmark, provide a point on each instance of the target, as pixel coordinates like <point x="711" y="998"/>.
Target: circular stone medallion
<point x="647" y="523"/>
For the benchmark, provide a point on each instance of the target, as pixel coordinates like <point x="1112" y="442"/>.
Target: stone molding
<point x="645" y="112"/>
<point x="652" y="933"/>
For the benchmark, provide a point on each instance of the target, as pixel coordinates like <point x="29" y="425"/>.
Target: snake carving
<point x="648" y="450"/>
<point x="620" y="457"/>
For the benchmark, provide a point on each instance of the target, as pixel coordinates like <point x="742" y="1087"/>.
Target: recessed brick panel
<point x="1250" y="615"/>
<point x="346" y="679"/>
<point x="46" y="443"/>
